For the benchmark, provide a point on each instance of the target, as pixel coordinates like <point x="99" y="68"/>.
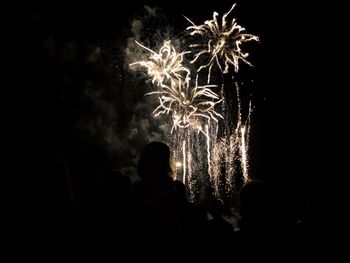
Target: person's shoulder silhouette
<point x="264" y="225"/>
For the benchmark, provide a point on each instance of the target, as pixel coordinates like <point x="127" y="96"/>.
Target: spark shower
<point x="209" y="134"/>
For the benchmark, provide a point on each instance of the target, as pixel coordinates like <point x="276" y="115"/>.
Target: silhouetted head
<point x="154" y="161"/>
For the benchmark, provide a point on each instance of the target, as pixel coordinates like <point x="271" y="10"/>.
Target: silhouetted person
<point x="317" y="226"/>
<point x="220" y="234"/>
<point x="193" y="224"/>
<point x="265" y="232"/>
<point x="159" y="226"/>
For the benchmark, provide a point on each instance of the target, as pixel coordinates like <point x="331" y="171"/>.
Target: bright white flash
<point x="178" y="164"/>
<point x="219" y="44"/>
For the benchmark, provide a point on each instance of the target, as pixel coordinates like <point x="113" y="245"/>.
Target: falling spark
<point x="221" y="43"/>
<point x="184" y="161"/>
<point x="208" y="147"/>
<point x="244" y="153"/>
<point x="165" y="67"/>
<point x="190" y="177"/>
<point x="244" y="146"/>
<point x="230" y="152"/>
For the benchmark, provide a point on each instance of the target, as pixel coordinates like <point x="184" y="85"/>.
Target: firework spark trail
<point x="182" y="150"/>
<point x="165" y="67"/>
<point x="191" y="181"/>
<point x="242" y="132"/>
<point x="239" y="141"/>
<point x="208" y="148"/>
<point x="184" y="161"/>
<point x="221" y="44"/>
<point x="216" y="166"/>
<point x="244" y="146"/>
<point x="244" y="153"/>
<point x="230" y="151"/>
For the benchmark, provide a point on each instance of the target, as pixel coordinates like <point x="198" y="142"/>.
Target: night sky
<point x="70" y="91"/>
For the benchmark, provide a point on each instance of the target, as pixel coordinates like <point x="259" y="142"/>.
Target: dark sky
<point x="66" y="68"/>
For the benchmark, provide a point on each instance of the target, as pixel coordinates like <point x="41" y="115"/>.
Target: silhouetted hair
<point x="154" y="161"/>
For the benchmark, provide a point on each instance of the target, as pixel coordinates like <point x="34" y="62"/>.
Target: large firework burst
<point x="220" y="44"/>
<point x="165" y="67"/>
<point x="189" y="106"/>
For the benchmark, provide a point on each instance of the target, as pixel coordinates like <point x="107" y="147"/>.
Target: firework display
<point x="203" y="130"/>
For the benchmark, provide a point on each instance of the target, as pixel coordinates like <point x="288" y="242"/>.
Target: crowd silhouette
<point x="152" y="218"/>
